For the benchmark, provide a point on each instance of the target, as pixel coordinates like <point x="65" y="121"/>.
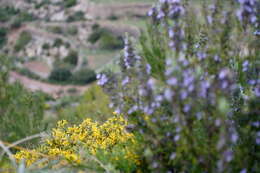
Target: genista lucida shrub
<point x="73" y="145"/>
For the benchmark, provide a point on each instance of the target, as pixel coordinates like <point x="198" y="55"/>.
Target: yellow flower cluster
<point x="66" y="141"/>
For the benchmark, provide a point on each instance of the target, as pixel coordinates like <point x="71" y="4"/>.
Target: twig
<point x="7" y="151"/>
<point x="22" y="141"/>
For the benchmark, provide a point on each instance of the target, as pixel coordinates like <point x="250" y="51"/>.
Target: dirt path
<point x="52" y="89"/>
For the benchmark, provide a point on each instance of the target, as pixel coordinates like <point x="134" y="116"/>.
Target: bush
<point x="107" y="40"/>
<point x="16" y="24"/>
<point x="6" y="13"/>
<point x="56" y="29"/>
<point x="3" y="39"/>
<point x="77" y="16"/>
<point x="23" y="40"/>
<point x="96" y="35"/>
<point x="57" y="42"/>
<point x="24" y="17"/>
<point x="67" y="143"/>
<point x="72" y="58"/>
<point x="46" y="46"/>
<point x="84" y="76"/>
<point x="112" y="17"/>
<point x="110" y="41"/>
<point x="73" y="30"/>
<point x="60" y="74"/>
<point x="21" y="111"/>
<point x="70" y="3"/>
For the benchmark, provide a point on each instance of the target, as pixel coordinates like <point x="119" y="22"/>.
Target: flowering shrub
<point x="197" y="82"/>
<point x="74" y="145"/>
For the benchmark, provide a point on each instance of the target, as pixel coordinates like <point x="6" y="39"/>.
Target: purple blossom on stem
<point x="102" y="79"/>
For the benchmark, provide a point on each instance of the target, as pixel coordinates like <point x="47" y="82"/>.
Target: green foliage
<point x="28" y="73"/>
<point x="56" y="29"/>
<point x="96" y="35"/>
<point x="3" y="39"/>
<point x="21" y="111"/>
<point x="60" y="74"/>
<point x="73" y="30"/>
<point x="94" y="105"/>
<point x="57" y="42"/>
<point x="24" y="17"/>
<point x="112" y="17"/>
<point x="84" y="76"/>
<point x="69" y="3"/>
<point x="72" y="58"/>
<point x="6" y="13"/>
<point x="106" y="39"/>
<point x="111" y="42"/>
<point x="23" y="40"/>
<point x="46" y="46"/>
<point x="77" y="16"/>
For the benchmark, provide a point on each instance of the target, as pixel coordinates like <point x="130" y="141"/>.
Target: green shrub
<point x="57" y="42"/>
<point x="96" y="35"/>
<point x="21" y="110"/>
<point x="46" y="46"/>
<point x="107" y="40"/>
<point x="25" y="17"/>
<point x="110" y="41"/>
<point x="69" y="3"/>
<point x="72" y="58"/>
<point x="84" y="76"/>
<point x="60" y="74"/>
<point x="28" y="73"/>
<point x="77" y="16"/>
<point x="112" y="17"/>
<point x="6" y="13"/>
<point x="93" y="104"/>
<point x="16" y="24"/>
<point x="3" y="39"/>
<point x="56" y="29"/>
<point x="73" y="30"/>
<point x="23" y="40"/>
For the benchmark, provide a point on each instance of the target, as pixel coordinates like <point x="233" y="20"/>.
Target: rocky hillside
<point x="65" y="42"/>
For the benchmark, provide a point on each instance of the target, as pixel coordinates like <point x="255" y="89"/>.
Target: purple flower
<point x="257" y="33"/>
<point x="168" y="94"/>
<point x="257" y="91"/>
<point x="201" y="55"/>
<point x="125" y="81"/>
<point x="228" y="155"/>
<point x="217" y="58"/>
<point x="223" y="73"/>
<point x="256" y="124"/>
<point x="171" y="33"/>
<point x="252" y="82"/>
<point x="130" y="57"/>
<point x="234" y="137"/>
<point x="176" y="138"/>
<point x="243" y="171"/>
<point x="247" y="11"/>
<point x="183" y="94"/>
<point x="172" y="156"/>
<point x="148" y="69"/>
<point x="173" y="81"/>
<point x="245" y="65"/>
<point x="186" y="108"/>
<point x="102" y="79"/>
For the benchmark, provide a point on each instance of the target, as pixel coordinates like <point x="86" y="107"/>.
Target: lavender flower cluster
<point x="247" y="12"/>
<point x="197" y="94"/>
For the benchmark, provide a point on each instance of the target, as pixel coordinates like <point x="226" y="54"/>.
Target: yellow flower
<point x="66" y="141"/>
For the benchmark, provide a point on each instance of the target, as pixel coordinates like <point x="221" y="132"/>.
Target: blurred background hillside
<point x="57" y="46"/>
